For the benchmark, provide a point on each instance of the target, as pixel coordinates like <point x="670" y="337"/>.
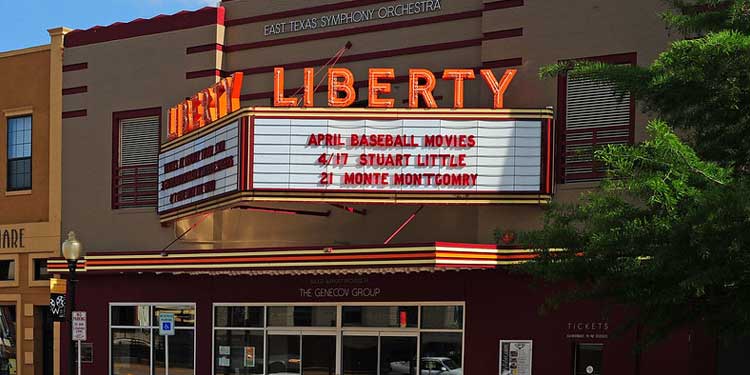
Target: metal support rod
<point x="411" y="217"/>
<point x="164" y="250"/>
<point x="166" y="354"/>
<point x="79" y="357"/>
<point x="350" y="209"/>
<point x="72" y="265"/>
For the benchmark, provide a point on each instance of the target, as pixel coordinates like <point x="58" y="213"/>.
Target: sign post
<point x="166" y="329"/>
<point x="79" y="332"/>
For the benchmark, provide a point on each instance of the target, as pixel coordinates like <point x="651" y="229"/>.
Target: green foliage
<point x="668" y="233"/>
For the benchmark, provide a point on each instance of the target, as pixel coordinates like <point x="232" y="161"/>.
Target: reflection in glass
<point x="131" y="351"/>
<point x="442" y="317"/>
<point x="184" y="316"/>
<point x="441" y="350"/>
<point x="379" y="316"/>
<point x="238" y="352"/>
<point x="8" y="350"/>
<point x="132" y="316"/>
<point x="181" y="356"/>
<point x="360" y="355"/>
<point x="302" y="316"/>
<point x="239" y="316"/>
<point x="283" y="354"/>
<point x="398" y="355"/>
<point x="318" y="355"/>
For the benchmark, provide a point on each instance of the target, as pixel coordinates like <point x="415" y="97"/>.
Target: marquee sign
<point x="200" y="169"/>
<point x="422" y="155"/>
<point x="435" y="156"/>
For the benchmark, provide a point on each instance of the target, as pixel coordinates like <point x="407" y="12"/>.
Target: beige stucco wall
<point x="150" y="71"/>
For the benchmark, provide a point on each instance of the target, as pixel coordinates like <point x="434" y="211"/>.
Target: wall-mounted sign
<point x="79" y="326"/>
<point x="415" y="155"/>
<point x="12" y="238"/>
<point x="352" y="17"/>
<point x="422" y="82"/>
<point x="205" y="107"/>
<point x="515" y="357"/>
<point x="199" y="169"/>
<point x="588" y="330"/>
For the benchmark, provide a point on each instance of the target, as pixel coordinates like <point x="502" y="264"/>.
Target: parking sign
<point x="166" y="324"/>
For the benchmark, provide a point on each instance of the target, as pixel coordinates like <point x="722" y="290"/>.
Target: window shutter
<point x="139" y="141"/>
<point x="596" y="115"/>
<point x="136" y="179"/>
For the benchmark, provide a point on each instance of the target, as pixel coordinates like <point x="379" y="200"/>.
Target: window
<point x="588" y="359"/>
<point x="362" y="339"/>
<point x="8" y="349"/>
<point x="592" y="114"/>
<point x="138" y="349"/>
<point x="40" y="269"/>
<point x="7" y="269"/>
<point x="19" y="153"/>
<point x="135" y="158"/>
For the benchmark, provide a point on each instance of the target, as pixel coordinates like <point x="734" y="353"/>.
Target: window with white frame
<point x="348" y="339"/>
<point x="19" y="153"/>
<point x="136" y="348"/>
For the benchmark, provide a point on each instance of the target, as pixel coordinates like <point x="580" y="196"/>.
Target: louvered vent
<point x="597" y="115"/>
<point x="136" y="179"/>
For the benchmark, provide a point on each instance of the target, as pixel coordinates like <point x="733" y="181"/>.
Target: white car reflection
<point x="429" y="366"/>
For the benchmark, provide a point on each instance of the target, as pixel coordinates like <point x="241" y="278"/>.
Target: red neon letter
<point x="458" y="76"/>
<point x="309" y="83"/>
<point x="498" y="87"/>
<point x="415" y="89"/>
<point x="375" y="88"/>
<point x="278" y="90"/>
<point x="346" y="85"/>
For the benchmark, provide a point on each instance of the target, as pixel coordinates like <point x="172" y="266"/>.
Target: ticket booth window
<point x="588" y="359"/>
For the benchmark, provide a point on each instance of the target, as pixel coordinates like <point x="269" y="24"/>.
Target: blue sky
<point x="26" y="21"/>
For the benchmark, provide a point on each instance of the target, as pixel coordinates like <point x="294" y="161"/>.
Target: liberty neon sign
<point x="223" y="98"/>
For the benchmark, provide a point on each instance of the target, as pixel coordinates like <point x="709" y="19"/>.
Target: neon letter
<point x="498" y="87"/>
<point x="458" y="76"/>
<point x="335" y="86"/>
<point x="278" y="90"/>
<point x="375" y="88"/>
<point x="415" y="89"/>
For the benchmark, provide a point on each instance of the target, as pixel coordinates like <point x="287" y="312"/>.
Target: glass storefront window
<point x="184" y="316"/>
<point x="132" y="316"/>
<point x="131" y="351"/>
<point x="8" y="349"/>
<point x="379" y="316"/>
<point x="238" y="352"/>
<point x="302" y="316"/>
<point x="181" y="352"/>
<point x="238" y="316"/>
<point x="371" y="339"/>
<point x="138" y="349"/>
<point x="283" y="354"/>
<point x="442" y="317"/>
<point x="441" y="350"/>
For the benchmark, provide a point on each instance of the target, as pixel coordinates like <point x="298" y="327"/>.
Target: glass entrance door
<point x="379" y="353"/>
<point x="301" y="353"/>
<point x="318" y="355"/>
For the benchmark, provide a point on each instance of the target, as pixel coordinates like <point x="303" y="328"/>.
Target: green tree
<point x="668" y="232"/>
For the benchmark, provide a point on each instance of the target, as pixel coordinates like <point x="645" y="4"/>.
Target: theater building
<point x="290" y="227"/>
<point x="30" y="107"/>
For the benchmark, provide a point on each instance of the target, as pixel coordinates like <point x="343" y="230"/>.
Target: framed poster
<point x="515" y="357"/>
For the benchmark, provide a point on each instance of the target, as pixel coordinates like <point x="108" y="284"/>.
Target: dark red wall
<point x="498" y="306"/>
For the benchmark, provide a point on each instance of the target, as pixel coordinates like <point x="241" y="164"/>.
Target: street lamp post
<point x="72" y="250"/>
